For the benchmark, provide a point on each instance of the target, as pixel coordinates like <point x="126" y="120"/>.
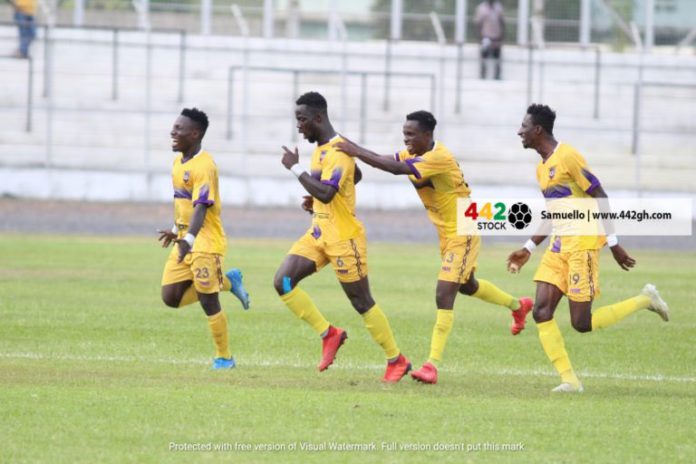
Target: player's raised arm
<point x="308" y="201"/>
<point x="383" y="162"/>
<point x="320" y="191"/>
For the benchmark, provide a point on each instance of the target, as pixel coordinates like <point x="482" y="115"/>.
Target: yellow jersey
<point x="196" y="181"/>
<point x="565" y="174"/>
<point x="27" y="7"/>
<point x="439" y="181"/>
<point x="336" y="219"/>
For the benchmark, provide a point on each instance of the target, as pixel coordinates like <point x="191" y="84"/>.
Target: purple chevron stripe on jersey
<point x="316" y="232"/>
<point x="335" y="178"/>
<point x="556" y="248"/>
<point x="592" y="178"/>
<point x="203" y="197"/>
<point x="397" y="157"/>
<point x="182" y="193"/>
<point x="557" y="191"/>
<point x="411" y="164"/>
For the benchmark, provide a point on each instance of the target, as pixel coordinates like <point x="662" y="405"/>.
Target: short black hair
<point x="197" y="116"/>
<point x="542" y="116"/>
<point x="313" y="100"/>
<point x="425" y="119"/>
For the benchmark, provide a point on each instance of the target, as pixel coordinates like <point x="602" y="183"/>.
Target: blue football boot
<point x="238" y="290"/>
<point x="224" y="363"/>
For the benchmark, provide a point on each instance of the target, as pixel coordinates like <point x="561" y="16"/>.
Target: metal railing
<point x="363" y="116"/>
<point x="567" y="25"/>
<point x="542" y="63"/>
<point x="459" y="60"/>
<point x="595" y="72"/>
<point x="115" y="45"/>
<point x="638" y="88"/>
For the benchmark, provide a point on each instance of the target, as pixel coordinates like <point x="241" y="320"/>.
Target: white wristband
<point x="529" y="246"/>
<point x="189" y="238"/>
<point x="612" y="240"/>
<point x="175" y="229"/>
<point x="298" y="170"/>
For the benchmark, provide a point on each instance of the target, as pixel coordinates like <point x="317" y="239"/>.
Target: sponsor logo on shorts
<point x="204" y="283"/>
<point x="342" y="271"/>
<point x="446" y="268"/>
<point x="575" y="290"/>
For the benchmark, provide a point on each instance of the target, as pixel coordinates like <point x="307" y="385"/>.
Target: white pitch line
<point x="343" y="365"/>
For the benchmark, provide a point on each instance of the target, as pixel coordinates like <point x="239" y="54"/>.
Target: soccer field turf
<point x="94" y="368"/>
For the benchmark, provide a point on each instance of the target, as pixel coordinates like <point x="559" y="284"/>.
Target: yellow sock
<point x="302" y="305"/>
<point x="190" y="296"/>
<point x="488" y="292"/>
<point x="442" y="329"/>
<point x="552" y="342"/>
<point x="378" y="326"/>
<point x="226" y="283"/>
<point x="609" y="315"/>
<point x="218" y="329"/>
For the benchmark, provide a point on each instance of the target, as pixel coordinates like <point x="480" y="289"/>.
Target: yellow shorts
<point x="348" y="257"/>
<point x="459" y="255"/>
<point x="205" y="269"/>
<point x="575" y="273"/>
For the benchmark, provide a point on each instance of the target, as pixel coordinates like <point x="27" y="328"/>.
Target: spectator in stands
<point x="491" y="28"/>
<point x="24" y="14"/>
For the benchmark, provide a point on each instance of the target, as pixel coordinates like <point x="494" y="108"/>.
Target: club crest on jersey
<point x="186" y="176"/>
<point x="322" y="155"/>
<point x="552" y="172"/>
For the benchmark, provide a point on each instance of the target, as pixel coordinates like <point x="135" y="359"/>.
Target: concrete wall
<point x="98" y="147"/>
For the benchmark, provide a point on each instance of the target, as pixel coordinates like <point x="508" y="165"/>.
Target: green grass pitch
<point x="94" y="368"/>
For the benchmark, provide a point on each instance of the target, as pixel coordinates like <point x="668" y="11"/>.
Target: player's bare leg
<point x="292" y="270"/>
<point x="179" y="294"/>
<point x="359" y="295"/>
<point x="581" y="315"/>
